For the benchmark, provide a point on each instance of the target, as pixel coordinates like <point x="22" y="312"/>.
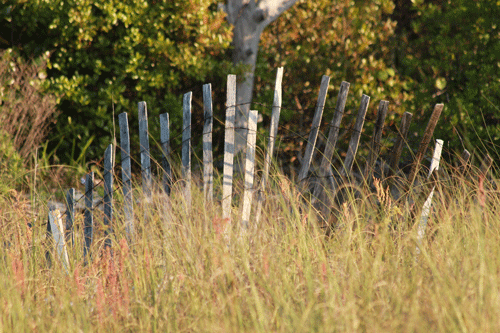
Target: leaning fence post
<point x="165" y="148"/>
<point x="89" y="214"/>
<point x="273" y="133"/>
<point x="313" y="135"/>
<point x="126" y="175"/>
<point x="208" y="168"/>
<point x="70" y="215"/>
<point x="186" y="148"/>
<point x="331" y="141"/>
<point x="108" y="194"/>
<point x="145" y="156"/>
<point x="427" y="204"/>
<point x="356" y="134"/>
<point x="401" y="140"/>
<point x="429" y="130"/>
<point x="375" y="142"/>
<point x="249" y="168"/>
<point x="227" y="182"/>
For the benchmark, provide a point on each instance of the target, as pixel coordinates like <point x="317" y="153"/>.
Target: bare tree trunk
<point x="249" y="18"/>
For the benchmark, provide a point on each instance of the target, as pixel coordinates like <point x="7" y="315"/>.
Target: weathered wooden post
<point x="145" y="156"/>
<point x="88" y="224"/>
<point x="249" y="167"/>
<point x="313" y="135"/>
<point x="108" y="194"/>
<point x="208" y="168"/>
<point x="186" y="149"/>
<point x="55" y="228"/>
<point x="428" y="202"/>
<point x="227" y="182"/>
<point x="375" y="142"/>
<point x="128" y="204"/>
<point x="165" y="148"/>
<point x="70" y="216"/>
<point x="273" y="133"/>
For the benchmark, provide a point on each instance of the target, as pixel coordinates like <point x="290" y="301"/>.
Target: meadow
<point x="180" y="274"/>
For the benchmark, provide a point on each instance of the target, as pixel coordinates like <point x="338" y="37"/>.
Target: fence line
<point x="325" y="171"/>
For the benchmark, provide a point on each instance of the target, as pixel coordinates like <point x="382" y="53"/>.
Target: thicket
<point x="103" y="58"/>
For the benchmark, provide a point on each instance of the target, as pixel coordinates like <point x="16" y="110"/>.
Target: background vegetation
<point x="104" y="58"/>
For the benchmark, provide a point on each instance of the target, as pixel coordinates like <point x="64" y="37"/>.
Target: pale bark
<point x="249" y="19"/>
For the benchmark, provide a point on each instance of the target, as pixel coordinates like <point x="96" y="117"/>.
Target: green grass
<point x="180" y="275"/>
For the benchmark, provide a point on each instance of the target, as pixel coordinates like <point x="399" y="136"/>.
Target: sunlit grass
<point x="179" y="273"/>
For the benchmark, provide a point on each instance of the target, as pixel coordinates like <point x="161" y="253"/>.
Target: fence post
<point x="429" y="130"/>
<point x="89" y="214"/>
<point x="331" y="141"/>
<point x="208" y="168"/>
<point x="427" y="204"/>
<point x="227" y="182"/>
<point x="249" y="168"/>
<point x="145" y="156"/>
<point x="375" y="142"/>
<point x="108" y="194"/>
<point x="273" y="133"/>
<point x="313" y="135"/>
<point x="70" y="215"/>
<point x="128" y="207"/>
<point x="55" y="228"/>
<point x="404" y="127"/>
<point x="165" y="148"/>
<point x="356" y="134"/>
<point x="186" y="148"/>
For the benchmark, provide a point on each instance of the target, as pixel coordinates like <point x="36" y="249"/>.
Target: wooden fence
<point x="324" y="190"/>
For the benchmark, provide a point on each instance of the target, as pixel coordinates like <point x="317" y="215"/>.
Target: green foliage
<point x="347" y="40"/>
<point x="451" y="49"/>
<point x="11" y="164"/>
<point x="107" y="56"/>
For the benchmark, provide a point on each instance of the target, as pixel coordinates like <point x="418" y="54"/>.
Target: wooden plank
<point x="55" y="228"/>
<point x="165" y="148"/>
<point x="249" y="168"/>
<point x="88" y="224"/>
<point x="273" y="133"/>
<point x="426" y="139"/>
<point x="313" y="135"/>
<point x="208" y="164"/>
<point x="395" y="154"/>
<point x="128" y="204"/>
<point x="227" y="182"/>
<point x="186" y="148"/>
<point x="145" y="153"/>
<point x="427" y="204"/>
<point x="375" y="141"/>
<point x="108" y="194"/>
<point x="70" y="216"/>
<point x="356" y="134"/>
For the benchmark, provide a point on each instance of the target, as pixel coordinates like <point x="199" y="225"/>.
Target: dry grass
<point x="180" y="274"/>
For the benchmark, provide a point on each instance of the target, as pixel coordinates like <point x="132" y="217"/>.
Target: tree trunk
<point x="249" y="18"/>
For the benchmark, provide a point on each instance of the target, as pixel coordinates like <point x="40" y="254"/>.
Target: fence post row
<point x="63" y="235"/>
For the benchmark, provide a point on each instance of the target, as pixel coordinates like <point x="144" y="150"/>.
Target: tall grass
<point x="285" y="275"/>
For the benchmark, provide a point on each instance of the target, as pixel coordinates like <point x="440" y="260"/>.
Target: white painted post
<point x="57" y="231"/>
<point x="427" y="204"/>
<point x="227" y="182"/>
<point x="273" y="133"/>
<point x="249" y="168"/>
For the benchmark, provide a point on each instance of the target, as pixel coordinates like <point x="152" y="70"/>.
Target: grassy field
<point x="180" y="275"/>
